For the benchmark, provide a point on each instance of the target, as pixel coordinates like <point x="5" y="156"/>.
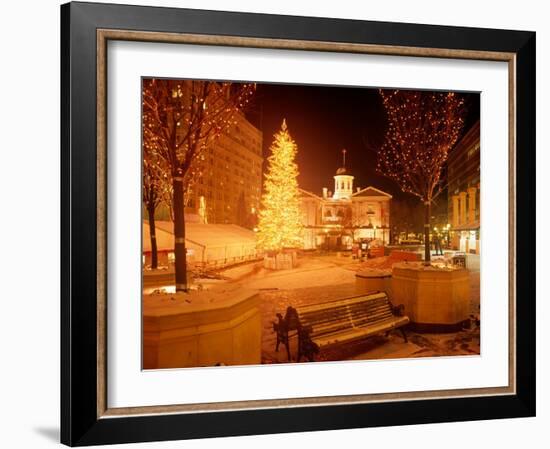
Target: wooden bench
<point x="339" y="321"/>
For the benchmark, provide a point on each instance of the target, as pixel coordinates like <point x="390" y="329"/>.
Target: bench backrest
<point x="336" y="316"/>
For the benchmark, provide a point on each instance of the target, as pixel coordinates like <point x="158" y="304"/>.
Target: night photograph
<point x="295" y="223"/>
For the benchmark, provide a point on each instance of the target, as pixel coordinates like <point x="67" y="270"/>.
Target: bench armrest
<point x="398" y="310"/>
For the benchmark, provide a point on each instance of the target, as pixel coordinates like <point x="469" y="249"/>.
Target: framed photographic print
<point x="277" y="224"/>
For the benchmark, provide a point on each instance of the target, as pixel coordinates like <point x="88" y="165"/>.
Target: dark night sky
<point x="323" y="120"/>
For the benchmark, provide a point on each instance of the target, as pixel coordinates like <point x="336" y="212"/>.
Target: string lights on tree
<point x="182" y="118"/>
<point x="423" y="128"/>
<point x="280" y="219"/>
<point x="156" y="187"/>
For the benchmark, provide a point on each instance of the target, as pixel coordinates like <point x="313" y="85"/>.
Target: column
<point x="456" y="220"/>
<point x="463" y="218"/>
<point x="472" y="204"/>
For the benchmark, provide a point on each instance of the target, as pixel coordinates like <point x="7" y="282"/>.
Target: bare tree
<point x="422" y="128"/>
<point x="184" y="117"/>
<point x="155" y="186"/>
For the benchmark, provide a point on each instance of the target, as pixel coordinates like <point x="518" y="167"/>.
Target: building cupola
<point x="343" y="181"/>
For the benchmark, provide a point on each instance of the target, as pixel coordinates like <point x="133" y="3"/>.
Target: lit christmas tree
<point x="280" y="220"/>
<point x="423" y="128"/>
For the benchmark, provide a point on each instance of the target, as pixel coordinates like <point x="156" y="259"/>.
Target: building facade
<point x="228" y="187"/>
<point x="463" y="171"/>
<point x="335" y="220"/>
<point x="227" y="178"/>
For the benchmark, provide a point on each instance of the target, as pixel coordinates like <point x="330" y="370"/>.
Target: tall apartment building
<point x="463" y="171"/>
<point x="229" y="187"/>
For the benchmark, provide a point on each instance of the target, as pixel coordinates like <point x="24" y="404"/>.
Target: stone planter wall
<point x="281" y="261"/>
<point x="205" y="332"/>
<point x="367" y="281"/>
<point x="435" y="299"/>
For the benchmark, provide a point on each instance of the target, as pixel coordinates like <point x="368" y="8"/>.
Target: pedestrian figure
<point x="355" y="251"/>
<point x="438" y="248"/>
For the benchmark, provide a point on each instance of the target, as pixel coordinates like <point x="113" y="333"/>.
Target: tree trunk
<point x="153" y="234"/>
<point x="427" y="214"/>
<point x="180" y="252"/>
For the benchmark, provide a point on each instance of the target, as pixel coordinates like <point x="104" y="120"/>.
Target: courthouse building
<point x="336" y="219"/>
<point x="463" y="171"/>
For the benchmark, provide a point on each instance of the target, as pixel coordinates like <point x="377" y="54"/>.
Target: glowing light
<point x="181" y="120"/>
<point x="280" y="218"/>
<point x="423" y="128"/>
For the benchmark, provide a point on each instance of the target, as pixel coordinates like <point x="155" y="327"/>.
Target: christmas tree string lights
<point x="280" y="220"/>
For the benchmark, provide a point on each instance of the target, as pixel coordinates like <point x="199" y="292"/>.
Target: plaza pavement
<point x="322" y="278"/>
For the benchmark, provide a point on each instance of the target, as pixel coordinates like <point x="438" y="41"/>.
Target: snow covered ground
<point x="419" y="345"/>
<point x="310" y="272"/>
<point x="319" y="278"/>
<point x="322" y="278"/>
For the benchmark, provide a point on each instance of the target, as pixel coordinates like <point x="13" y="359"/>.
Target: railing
<point x="217" y="264"/>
